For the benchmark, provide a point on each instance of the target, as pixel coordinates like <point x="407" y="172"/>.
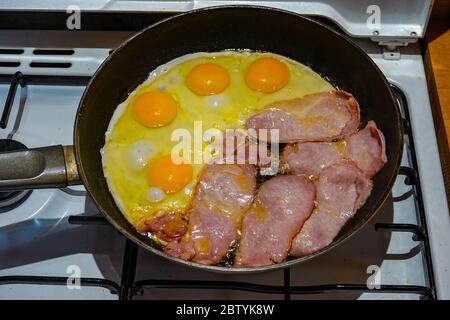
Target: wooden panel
<point x="441" y="10"/>
<point x="437" y="65"/>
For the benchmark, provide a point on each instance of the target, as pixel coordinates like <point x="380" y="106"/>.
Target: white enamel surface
<point x="399" y="18"/>
<point x="410" y="77"/>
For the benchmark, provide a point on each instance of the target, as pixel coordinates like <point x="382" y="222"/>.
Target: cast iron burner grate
<point x="129" y="287"/>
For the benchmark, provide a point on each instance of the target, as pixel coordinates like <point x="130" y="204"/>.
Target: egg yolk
<point x="207" y="79"/>
<point x="154" y="109"/>
<point x="266" y="75"/>
<point x="168" y="176"/>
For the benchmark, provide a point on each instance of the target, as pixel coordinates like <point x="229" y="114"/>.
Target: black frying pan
<point x="214" y="29"/>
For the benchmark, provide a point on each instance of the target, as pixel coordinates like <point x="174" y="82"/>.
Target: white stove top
<point x="36" y="238"/>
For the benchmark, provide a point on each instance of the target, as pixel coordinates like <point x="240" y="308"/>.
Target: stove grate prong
<point x="17" y="79"/>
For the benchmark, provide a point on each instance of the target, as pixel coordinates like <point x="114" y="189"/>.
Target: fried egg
<point x="221" y="90"/>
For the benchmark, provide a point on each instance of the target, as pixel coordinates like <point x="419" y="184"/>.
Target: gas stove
<point x="55" y="245"/>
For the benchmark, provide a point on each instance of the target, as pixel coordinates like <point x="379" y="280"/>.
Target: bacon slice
<point x="223" y="195"/>
<point x="309" y="158"/>
<point x="282" y="205"/>
<point x="166" y="227"/>
<point x="323" y="116"/>
<point x="365" y="148"/>
<point x="341" y="190"/>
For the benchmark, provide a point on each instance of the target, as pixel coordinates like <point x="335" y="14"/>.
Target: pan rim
<point x="274" y="267"/>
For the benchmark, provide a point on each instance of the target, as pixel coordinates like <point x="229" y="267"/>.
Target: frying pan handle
<point x="47" y="167"/>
